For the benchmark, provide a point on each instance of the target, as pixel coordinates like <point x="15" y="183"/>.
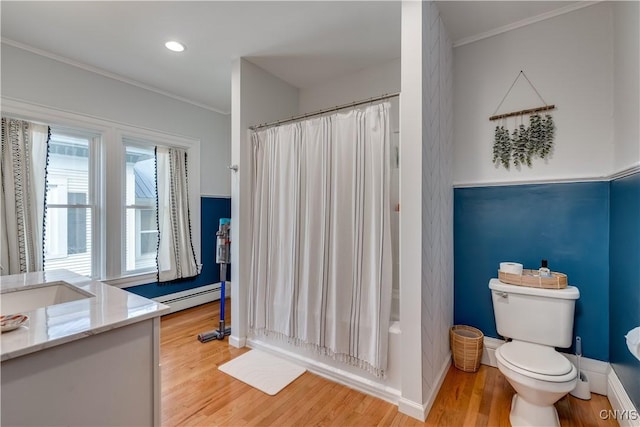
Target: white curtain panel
<point x="22" y="170"/>
<point x="176" y="257"/>
<point x="321" y="266"/>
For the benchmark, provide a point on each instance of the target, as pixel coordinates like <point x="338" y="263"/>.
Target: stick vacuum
<point x="222" y="258"/>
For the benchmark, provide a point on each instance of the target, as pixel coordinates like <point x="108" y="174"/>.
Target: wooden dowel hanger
<point x="522" y="112"/>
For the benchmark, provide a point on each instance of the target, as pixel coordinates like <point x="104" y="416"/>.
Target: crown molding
<point x="108" y="74"/>
<point x="529" y="182"/>
<point x="524" y="22"/>
<point x="621" y="173"/>
<point x="631" y="170"/>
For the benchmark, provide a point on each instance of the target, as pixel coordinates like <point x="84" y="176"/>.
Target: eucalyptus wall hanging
<point x="525" y="143"/>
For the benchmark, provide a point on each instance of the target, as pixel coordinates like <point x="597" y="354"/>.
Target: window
<point x="101" y="195"/>
<point x="68" y="234"/>
<point x="141" y="230"/>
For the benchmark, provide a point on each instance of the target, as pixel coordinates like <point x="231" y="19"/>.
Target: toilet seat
<point x="536" y="361"/>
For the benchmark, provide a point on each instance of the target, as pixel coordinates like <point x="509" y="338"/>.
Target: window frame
<point x="93" y="189"/>
<point x="126" y="141"/>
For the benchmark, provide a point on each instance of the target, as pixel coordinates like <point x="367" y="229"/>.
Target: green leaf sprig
<point x="525" y="143"/>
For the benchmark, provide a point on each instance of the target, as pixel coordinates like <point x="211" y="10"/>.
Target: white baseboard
<point x="596" y="371"/>
<point x="421" y="411"/>
<point x="434" y="391"/>
<point x="334" y="374"/>
<point x="193" y="297"/>
<point x="412" y="409"/>
<point x="623" y="409"/>
<point x="237" y="342"/>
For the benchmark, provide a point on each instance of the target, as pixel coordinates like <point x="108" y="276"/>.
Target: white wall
<point x="256" y="97"/>
<point x="569" y="59"/>
<point x="367" y="83"/>
<point x="626" y="94"/>
<point x="437" y="201"/>
<point x="39" y="80"/>
<point x="411" y="116"/>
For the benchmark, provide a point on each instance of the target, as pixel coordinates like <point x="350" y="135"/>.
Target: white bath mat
<point x="263" y="371"/>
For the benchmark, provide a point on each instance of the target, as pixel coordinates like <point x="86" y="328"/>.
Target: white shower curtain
<point x="321" y="253"/>
<point x="176" y="257"/>
<point x="22" y="171"/>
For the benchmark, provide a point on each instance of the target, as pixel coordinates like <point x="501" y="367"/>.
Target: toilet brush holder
<point x="582" y="390"/>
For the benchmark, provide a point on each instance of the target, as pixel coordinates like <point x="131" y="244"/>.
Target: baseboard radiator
<point x="193" y="297"/>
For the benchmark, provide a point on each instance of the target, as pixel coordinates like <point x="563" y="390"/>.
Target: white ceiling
<point x="302" y="42"/>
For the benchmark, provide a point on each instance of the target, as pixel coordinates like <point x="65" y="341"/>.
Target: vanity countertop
<point x="50" y="326"/>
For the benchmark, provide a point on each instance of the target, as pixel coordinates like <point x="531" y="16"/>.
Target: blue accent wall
<point x="624" y="303"/>
<point x="211" y="210"/>
<point x="567" y="224"/>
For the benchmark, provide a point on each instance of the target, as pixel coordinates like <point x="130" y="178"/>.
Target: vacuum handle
<point x="223" y="254"/>
<point x="578" y="346"/>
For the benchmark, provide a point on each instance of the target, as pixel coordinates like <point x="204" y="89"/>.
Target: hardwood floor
<point x="196" y="393"/>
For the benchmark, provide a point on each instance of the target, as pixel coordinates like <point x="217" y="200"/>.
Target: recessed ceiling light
<point x="174" y="46"/>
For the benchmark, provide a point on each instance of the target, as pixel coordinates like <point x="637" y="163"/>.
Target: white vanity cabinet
<point x="91" y="361"/>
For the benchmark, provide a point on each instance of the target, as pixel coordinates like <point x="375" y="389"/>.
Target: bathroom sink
<point x="40" y="296"/>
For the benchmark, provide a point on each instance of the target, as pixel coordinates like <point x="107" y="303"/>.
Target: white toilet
<point x="536" y="320"/>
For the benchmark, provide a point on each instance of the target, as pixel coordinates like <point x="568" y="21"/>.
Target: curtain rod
<point x="328" y="110"/>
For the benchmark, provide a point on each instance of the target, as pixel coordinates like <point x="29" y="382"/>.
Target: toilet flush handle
<point x="503" y="294"/>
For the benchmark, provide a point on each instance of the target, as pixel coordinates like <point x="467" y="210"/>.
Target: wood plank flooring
<point x="196" y="393"/>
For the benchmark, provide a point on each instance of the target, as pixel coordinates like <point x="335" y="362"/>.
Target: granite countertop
<point x="108" y="308"/>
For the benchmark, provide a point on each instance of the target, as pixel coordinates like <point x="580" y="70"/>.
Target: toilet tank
<point x="540" y="316"/>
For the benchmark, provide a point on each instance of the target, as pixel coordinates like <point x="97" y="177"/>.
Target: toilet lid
<point x="535" y="358"/>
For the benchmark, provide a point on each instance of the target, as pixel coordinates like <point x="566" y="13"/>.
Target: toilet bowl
<point x="540" y="376"/>
<point x="536" y="321"/>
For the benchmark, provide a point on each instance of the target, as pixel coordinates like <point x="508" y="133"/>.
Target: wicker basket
<point x="532" y="279"/>
<point x="466" y="346"/>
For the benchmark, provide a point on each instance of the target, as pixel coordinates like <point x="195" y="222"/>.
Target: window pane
<point x="141" y="238"/>
<point x="68" y="229"/>
<point x="148" y="220"/>
<point x="68" y="170"/>
<point x="68" y="240"/>
<point x="141" y="176"/>
<point x="77" y="225"/>
<point x="149" y="243"/>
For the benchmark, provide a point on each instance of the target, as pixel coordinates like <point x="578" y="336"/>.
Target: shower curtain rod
<point x="328" y="110"/>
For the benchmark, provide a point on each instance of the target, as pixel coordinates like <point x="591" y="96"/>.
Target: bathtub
<point x="395" y="305"/>
<point x="387" y="388"/>
<point x="394" y="359"/>
<point x="394" y="362"/>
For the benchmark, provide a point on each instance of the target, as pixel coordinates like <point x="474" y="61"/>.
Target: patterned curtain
<point x="176" y="257"/>
<point x="23" y="174"/>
